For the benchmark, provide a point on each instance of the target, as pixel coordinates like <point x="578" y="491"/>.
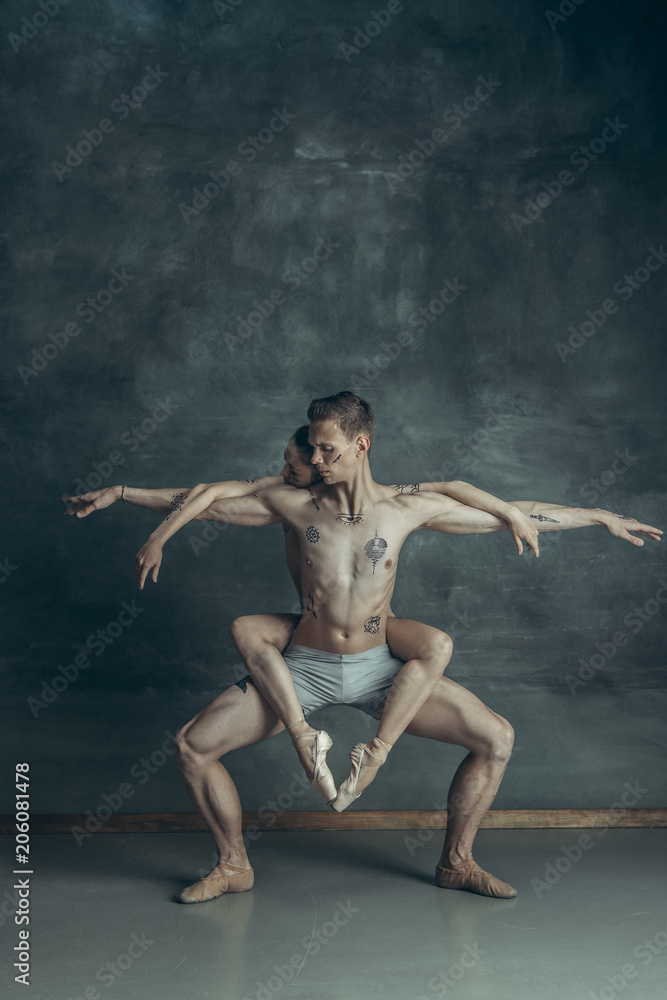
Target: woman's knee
<point x="437" y="651"/>
<point x="243" y="631"/>
<point x="501" y="739"/>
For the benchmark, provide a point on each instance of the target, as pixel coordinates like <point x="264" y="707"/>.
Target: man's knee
<point x="242" y="630"/>
<point x="502" y="740"/>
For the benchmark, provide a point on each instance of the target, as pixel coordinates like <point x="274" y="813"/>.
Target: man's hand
<point x="620" y="527"/>
<point x="149" y="557"/>
<point x="521" y="526"/>
<point x="86" y="503"/>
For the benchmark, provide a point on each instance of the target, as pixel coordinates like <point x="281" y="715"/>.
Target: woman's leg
<point x="426" y="652"/>
<point x="260" y="639"/>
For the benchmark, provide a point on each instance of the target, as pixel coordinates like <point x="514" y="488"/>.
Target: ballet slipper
<point x="223" y="878"/>
<point x="314" y="745"/>
<point x="462" y="876"/>
<point x="361" y="755"/>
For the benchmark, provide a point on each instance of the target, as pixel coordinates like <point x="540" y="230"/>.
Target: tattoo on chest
<point x="310" y="606"/>
<point x="375" y="549"/>
<point x="176" y="503"/>
<point x="312" y="534"/>
<point x="313" y="500"/>
<point x="372" y="625"/>
<point x="542" y="517"/>
<point x="350" y="518"/>
<point x="410" y="487"/>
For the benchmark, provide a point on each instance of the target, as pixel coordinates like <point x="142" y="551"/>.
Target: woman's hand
<point x="86" y="503"/>
<point x="149" y="557"/>
<point x="521" y="526"/>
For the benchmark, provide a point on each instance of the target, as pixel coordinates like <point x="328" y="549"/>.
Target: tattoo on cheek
<point x="372" y="625"/>
<point x="336" y="459"/>
<point x="542" y="517"/>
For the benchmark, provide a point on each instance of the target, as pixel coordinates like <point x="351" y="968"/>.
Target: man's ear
<point x="362" y="444"/>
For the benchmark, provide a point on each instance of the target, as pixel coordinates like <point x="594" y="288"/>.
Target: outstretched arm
<point x="517" y="522"/>
<point x="162" y="501"/>
<point x="461" y="520"/>
<point x="252" y="511"/>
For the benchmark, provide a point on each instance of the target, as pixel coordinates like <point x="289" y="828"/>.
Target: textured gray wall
<point x="471" y="225"/>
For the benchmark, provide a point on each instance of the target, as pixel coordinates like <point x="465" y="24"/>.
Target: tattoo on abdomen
<point x="375" y="549"/>
<point x="542" y="517"/>
<point x="312" y="534"/>
<point x="411" y="487"/>
<point x="372" y="625"/>
<point x="310" y="605"/>
<point x="313" y="500"/>
<point x="350" y="518"/>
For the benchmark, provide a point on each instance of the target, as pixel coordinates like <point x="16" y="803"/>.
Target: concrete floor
<point x="590" y="919"/>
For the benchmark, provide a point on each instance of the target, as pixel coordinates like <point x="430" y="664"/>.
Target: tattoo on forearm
<point x="542" y="517"/>
<point x="313" y="500"/>
<point x="312" y="534"/>
<point x="375" y="548"/>
<point x="177" y="501"/>
<point x="410" y="487"/>
<point x="350" y="518"/>
<point x="310" y="606"/>
<point x="248" y="482"/>
<point x="623" y="517"/>
<point x="372" y="625"/>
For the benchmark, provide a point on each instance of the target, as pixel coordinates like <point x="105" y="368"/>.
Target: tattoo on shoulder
<point x="372" y="625"/>
<point x="312" y="534"/>
<point x="410" y="487"/>
<point x="350" y="518"/>
<point x="313" y="500"/>
<point x="542" y="517"/>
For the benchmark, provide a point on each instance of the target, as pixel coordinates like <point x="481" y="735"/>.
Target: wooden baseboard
<point x="411" y="819"/>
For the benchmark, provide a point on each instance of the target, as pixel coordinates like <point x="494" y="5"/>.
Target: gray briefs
<point x="362" y="680"/>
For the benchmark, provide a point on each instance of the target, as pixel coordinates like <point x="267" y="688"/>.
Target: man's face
<point x="297" y="471"/>
<point x="334" y="456"/>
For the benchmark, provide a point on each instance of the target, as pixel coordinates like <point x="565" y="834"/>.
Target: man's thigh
<point x="234" y="719"/>
<point x="452" y="714"/>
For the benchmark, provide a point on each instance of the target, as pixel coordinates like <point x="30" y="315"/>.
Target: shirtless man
<point x="260" y="639"/>
<point x="347" y="593"/>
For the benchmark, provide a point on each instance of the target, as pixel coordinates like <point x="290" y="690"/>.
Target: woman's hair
<point x="301" y="440"/>
<point x="352" y="414"/>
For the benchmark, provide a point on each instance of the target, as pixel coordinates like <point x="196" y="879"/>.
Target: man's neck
<point x="355" y="493"/>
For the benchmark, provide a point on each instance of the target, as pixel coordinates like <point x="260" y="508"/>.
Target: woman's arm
<point x="255" y="510"/>
<point x="518" y="523"/>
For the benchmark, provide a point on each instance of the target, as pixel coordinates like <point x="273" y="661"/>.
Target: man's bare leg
<point x="234" y="719"/>
<point x="426" y="652"/>
<point x="260" y="640"/>
<point x="455" y="715"/>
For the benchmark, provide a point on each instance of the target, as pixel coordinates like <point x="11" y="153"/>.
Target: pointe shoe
<point x="361" y="754"/>
<point x="223" y="878"/>
<point x="318" y="743"/>
<point x="462" y="876"/>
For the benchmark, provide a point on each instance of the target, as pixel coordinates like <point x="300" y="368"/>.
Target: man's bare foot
<point x="468" y="875"/>
<point x="223" y="878"/>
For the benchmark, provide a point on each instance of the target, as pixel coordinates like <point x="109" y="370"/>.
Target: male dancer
<point x="339" y="654"/>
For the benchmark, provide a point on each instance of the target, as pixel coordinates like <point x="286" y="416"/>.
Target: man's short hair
<point x="352" y="414"/>
<point x="301" y="440"/>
